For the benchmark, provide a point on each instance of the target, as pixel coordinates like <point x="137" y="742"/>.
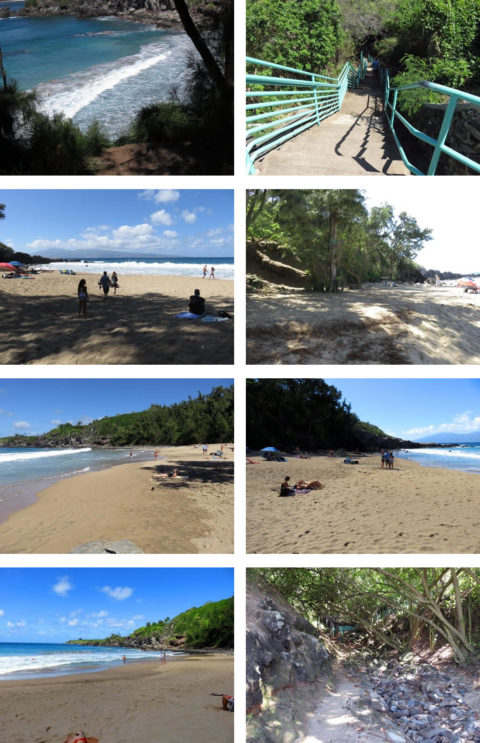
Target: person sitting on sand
<point x="174" y="473"/>
<point x="285" y="488"/>
<point x="114" y="282"/>
<point x="82" y="297"/>
<point x="104" y="283"/>
<point x="80" y="737"/>
<point x="197" y="303"/>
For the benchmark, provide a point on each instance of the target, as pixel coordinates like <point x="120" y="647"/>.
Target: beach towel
<point x="303" y="491"/>
<point x="188" y="316"/>
<point x="213" y="318"/>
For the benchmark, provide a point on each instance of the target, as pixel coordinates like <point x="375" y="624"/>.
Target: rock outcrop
<point x="286" y="665"/>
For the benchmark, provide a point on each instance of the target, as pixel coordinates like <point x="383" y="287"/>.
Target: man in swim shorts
<point x="105" y="284"/>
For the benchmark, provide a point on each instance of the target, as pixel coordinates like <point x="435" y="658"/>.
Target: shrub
<point x="163" y="123"/>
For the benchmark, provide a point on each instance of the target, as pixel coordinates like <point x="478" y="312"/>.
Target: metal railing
<point x="284" y="102"/>
<point x="439" y="146"/>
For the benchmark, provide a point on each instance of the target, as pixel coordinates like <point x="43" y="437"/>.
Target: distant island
<point x="208" y="626"/>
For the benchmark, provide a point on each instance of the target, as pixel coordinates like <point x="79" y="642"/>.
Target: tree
<point x="2" y="211"/>
<point x="397" y="240"/>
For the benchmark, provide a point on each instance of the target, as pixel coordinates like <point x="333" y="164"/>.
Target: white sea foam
<point x="25" y="455"/>
<point x="453" y="453"/>
<point x="71" y="94"/>
<point x="140" y="268"/>
<point x="69" y="660"/>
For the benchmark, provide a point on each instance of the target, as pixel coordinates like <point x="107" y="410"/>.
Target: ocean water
<point x="465" y="457"/>
<point x="224" y="267"/>
<point x="36" y="660"/>
<point x="23" y="472"/>
<point x="94" y="68"/>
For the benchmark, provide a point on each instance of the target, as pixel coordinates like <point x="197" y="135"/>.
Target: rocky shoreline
<point x="162" y="13"/>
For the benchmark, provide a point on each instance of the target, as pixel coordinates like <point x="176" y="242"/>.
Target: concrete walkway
<point x="355" y="141"/>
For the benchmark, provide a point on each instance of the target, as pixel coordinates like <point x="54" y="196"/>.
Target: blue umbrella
<point x="269" y="448"/>
<point x="16" y="263"/>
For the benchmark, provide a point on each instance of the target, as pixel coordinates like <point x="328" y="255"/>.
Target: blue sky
<point x="415" y="408"/>
<point x="88" y="223"/>
<point x="59" y="604"/>
<point x="33" y="406"/>
<point x="454" y="246"/>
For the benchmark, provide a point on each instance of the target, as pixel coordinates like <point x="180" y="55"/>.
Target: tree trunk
<point x="458" y="601"/>
<point x="208" y="59"/>
<point x="332" y="246"/>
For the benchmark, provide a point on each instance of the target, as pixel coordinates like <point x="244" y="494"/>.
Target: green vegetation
<point x="207" y="626"/>
<point x="193" y="421"/>
<point x="392" y="608"/>
<point x="304" y="412"/>
<point x="435" y="40"/>
<point x="335" y="238"/>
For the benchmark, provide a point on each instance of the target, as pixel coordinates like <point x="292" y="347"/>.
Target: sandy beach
<point x="189" y="515"/>
<point x="375" y="325"/>
<point x="138" y="326"/>
<point x="130" y="704"/>
<point x="362" y="508"/>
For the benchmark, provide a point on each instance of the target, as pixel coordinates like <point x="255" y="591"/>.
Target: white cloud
<point x="119" y="593"/>
<point x="170" y="233"/>
<point x="2" y="613"/>
<point x="461" y="423"/>
<point x="188" y="217"/>
<point x="21" y="425"/>
<point x="21" y="623"/>
<point x="161" y="217"/>
<point x="216" y="231"/>
<point x="73" y="622"/>
<point x="56" y="422"/>
<point x="63" y="620"/>
<point x="63" y="586"/>
<point x="160" y="197"/>
<point x="138" y="617"/>
<point x="10" y="624"/>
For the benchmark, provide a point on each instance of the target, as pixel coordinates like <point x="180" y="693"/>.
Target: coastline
<point x="131" y="702"/>
<point x="137" y="326"/>
<point x="126" y="502"/>
<point x="362" y="508"/>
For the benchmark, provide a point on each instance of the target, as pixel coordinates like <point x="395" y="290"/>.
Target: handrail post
<point x="444" y="130"/>
<point x="315" y="98"/>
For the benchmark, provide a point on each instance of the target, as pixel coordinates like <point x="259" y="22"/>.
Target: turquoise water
<point x="36" y="660"/>
<point x="24" y="472"/>
<point x="465" y="457"/>
<point x="94" y="68"/>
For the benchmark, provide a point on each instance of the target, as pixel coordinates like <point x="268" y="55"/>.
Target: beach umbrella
<point x="16" y="263"/>
<point x="269" y="448"/>
<point x="7" y="265"/>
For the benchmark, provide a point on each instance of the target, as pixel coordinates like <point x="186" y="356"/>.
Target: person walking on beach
<point x="82" y="297"/>
<point x="205" y="269"/>
<point x="104" y="283"/>
<point x="114" y="282"/>
<point x="212" y="272"/>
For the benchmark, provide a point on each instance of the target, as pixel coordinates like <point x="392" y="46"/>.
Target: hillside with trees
<point x="388" y="654"/>
<point x="193" y="421"/>
<point x="206" y="626"/>
<point x="333" y="237"/>
<point x="308" y="413"/>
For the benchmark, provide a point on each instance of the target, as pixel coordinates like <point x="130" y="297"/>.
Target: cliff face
<point x="161" y="12"/>
<point x="286" y="665"/>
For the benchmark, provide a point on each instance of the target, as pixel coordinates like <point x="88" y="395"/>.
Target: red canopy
<point x="8" y="265"/>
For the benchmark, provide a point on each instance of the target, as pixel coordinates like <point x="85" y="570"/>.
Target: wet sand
<point x="192" y="514"/>
<point x="362" y="508"/>
<point x="130" y="704"/>
<point x="374" y="325"/>
<point x="40" y="323"/>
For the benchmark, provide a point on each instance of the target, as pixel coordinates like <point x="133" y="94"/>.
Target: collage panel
<point x="117" y="276"/>
<point x="362" y="276"/>
<point x="362" y="466"/>
<point x="116" y="466"/>
<point x="138" y="88"/>
<point x="353" y="88"/>
<point x="116" y="654"/>
<point x="361" y="655"/>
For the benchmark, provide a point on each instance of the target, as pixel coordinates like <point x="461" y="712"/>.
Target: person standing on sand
<point x="212" y="273"/>
<point x="205" y="269"/>
<point x="82" y="297"/>
<point x="114" y="282"/>
<point x="124" y="659"/>
<point x="204" y="449"/>
<point x="104" y="283"/>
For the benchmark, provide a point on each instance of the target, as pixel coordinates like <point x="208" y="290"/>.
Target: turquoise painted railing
<point x="439" y="146"/>
<point x="281" y="106"/>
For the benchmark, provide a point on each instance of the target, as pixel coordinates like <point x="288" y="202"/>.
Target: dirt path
<point x="337" y="719"/>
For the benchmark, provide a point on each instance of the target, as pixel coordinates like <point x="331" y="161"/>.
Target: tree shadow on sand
<point x="122" y="330"/>
<point x="206" y="471"/>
